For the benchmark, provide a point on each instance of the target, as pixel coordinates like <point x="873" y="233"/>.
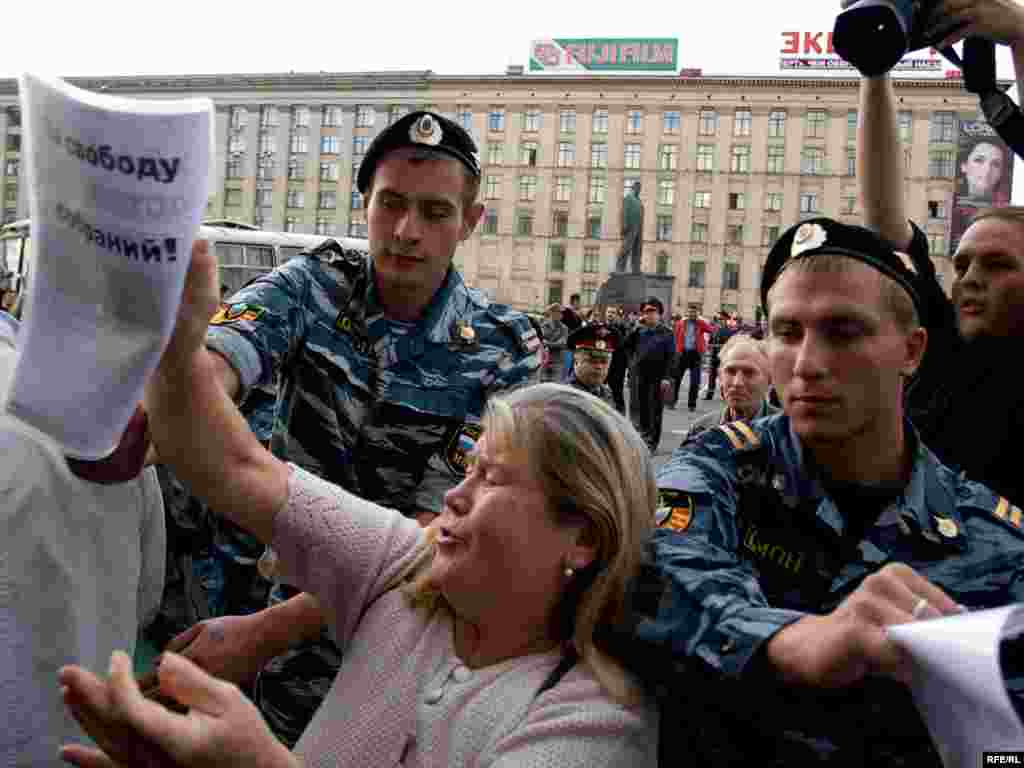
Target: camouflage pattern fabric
<point x="750" y="542"/>
<point x="602" y="391"/>
<point x="385" y="409"/>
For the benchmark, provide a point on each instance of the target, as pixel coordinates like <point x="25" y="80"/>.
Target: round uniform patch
<point x="235" y="313"/>
<point x="675" y="510"/>
<point x="461" y="443"/>
<point x="947" y="527"/>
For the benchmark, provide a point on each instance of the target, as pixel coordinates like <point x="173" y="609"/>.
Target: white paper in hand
<point x="117" y="189"/>
<point x="958" y="684"/>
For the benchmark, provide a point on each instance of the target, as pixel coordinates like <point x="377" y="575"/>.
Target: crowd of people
<point x="406" y="525"/>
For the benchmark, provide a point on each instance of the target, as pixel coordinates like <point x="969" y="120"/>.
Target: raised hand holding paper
<point x="117" y="190"/>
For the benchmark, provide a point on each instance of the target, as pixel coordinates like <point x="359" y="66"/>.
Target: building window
<point x="355" y="199"/>
<point x="267" y="169"/>
<point x="236" y="146"/>
<point x="495" y="153"/>
<point x="671" y="121"/>
<point x="730" y="276"/>
<point x="598" y="189"/>
<point x="528" y="153"/>
<point x="555" y="292"/>
<point x="663" y="227"/>
<point x="325" y="227"/>
<point x="662" y="264"/>
<point x="808" y="202"/>
<point x="742" y="121"/>
<point x="267" y="144"/>
<point x="701" y="199"/>
<point x="232" y="197"/>
<point x="737" y="201"/>
<point x="851" y="125"/>
<point x="600" y="121"/>
<point x="631" y="157"/>
<point x="594" y="226"/>
<point x="567" y="120"/>
<point x="11" y="167"/>
<point x="904" y="126"/>
<point x="296" y="168"/>
<point x="598" y="155"/>
<point x="635" y="121"/>
<point x="556" y="258"/>
<point x="936" y="209"/>
<point x="298" y="143"/>
<point x="239" y="117"/>
<point x="769" y="235"/>
<point x="851" y="161"/>
<point x="328" y="145"/>
<point x="707" y="125"/>
<point x="264" y="198"/>
<point x="531" y="120"/>
<point x="364" y="116"/>
<point x="940" y="163"/>
<point x="739" y="161"/>
<point x="566" y="154"/>
<point x="524" y="223"/>
<point x="13" y="117"/>
<point x="291" y="224"/>
<point x="528" y="188"/>
<point x="668" y="157"/>
<point x="591" y="259"/>
<point x="848" y="204"/>
<point x="492" y="187"/>
<point x="812" y="161"/>
<point x="464" y="117"/>
<point x="943" y="127"/>
<point x="268" y="117"/>
<point x="496" y="119"/>
<point x="563" y="189"/>
<point x="706" y="157"/>
<point x="776" y="158"/>
<point x="734" y="234"/>
<point x="331" y="116"/>
<point x="560" y="225"/>
<point x="696" y="276"/>
<point x="815" y="123"/>
<point x="329" y="171"/>
<point x="357" y="229"/>
<point x="233" y="169"/>
<point x="490" y="226"/>
<point x="776" y="124"/>
<point x="327" y="200"/>
<point x="666" y="191"/>
<point x="699" y="232"/>
<point x="773" y="201"/>
<point x="296" y="198"/>
<point x="627" y="184"/>
<point x="359" y="145"/>
<point x="937" y="244"/>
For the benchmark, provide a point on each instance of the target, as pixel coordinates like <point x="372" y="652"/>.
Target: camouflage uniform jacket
<point x="602" y="391"/>
<point x="382" y="408"/>
<point x="758" y="545"/>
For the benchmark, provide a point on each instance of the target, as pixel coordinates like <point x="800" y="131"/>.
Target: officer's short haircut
<point x="471" y="182"/>
<point x="1011" y="213"/>
<point x="894" y="296"/>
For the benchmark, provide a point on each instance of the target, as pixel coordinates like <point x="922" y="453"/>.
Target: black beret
<point x="652" y="301"/>
<point x="596" y="336"/>
<point x="419" y="129"/>
<point x="823" y="235"/>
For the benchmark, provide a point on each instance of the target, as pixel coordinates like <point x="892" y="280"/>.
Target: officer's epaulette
<point x="1009" y="513"/>
<point x="742" y="437"/>
<point x="330" y="251"/>
<point x="515" y="324"/>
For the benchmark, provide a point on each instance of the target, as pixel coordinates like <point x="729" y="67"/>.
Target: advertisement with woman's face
<point x="984" y="167"/>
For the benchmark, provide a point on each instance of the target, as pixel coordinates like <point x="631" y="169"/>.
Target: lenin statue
<point x="632" y="231"/>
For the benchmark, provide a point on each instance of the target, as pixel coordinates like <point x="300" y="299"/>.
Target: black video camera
<point x="874" y="35"/>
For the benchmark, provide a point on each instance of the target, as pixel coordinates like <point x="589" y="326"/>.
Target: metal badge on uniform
<point x="947" y="527"/>
<point x="427" y="131"/>
<point x="461" y="443"/>
<point x="464" y="337"/>
<point x="807" y="237"/>
<point x="675" y="510"/>
<point x="235" y="313"/>
<point x="600" y="344"/>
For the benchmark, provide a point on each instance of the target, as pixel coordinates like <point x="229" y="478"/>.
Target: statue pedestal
<point x="631" y="289"/>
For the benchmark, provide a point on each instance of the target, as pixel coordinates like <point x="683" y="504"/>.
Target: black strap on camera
<point x="979" y="70"/>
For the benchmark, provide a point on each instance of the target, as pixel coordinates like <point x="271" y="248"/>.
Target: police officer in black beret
<point x="592" y="347"/>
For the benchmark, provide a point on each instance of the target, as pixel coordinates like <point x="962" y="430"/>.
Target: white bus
<point x="243" y="251"/>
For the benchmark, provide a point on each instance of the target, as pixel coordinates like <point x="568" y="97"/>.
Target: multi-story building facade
<point x="725" y="164"/>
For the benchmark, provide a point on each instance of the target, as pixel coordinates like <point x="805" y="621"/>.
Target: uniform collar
<point x="450" y="302"/>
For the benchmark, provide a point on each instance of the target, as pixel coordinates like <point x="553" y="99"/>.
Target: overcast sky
<point x="111" y="37"/>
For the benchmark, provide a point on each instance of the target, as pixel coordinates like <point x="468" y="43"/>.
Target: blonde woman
<point x="470" y="643"/>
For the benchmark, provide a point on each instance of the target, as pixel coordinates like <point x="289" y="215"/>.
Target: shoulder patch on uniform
<point x="1009" y="513"/>
<point x="462" y="441"/>
<point x="675" y="510"/>
<point x="742" y="437"/>
<point x="235" y="313"/>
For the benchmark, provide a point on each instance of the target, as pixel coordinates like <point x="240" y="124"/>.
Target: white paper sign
<point x="958" y="684"/>
<point x="117" y="189"/>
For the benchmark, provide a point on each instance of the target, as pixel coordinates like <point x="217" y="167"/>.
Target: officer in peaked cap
<point x="386" y="361"/>
<point x="592" y="347"/>
<point x="786" y="546"/>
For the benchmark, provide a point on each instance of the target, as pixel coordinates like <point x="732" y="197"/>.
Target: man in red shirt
<point x="691" y="343"/>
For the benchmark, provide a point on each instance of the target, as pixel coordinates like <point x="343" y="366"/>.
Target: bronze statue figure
<point x="632" y="231"/>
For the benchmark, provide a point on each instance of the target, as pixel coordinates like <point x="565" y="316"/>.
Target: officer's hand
<point x="221" y="727"/>
<point x="850" y="643"/>
<point x="1001" y="21"/>
<point x="227" y="647"/>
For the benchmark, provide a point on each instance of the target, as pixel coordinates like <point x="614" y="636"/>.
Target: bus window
<point x="260" y="256"/>
<point x="289" y="252"/>
<point x="230" y="254"/>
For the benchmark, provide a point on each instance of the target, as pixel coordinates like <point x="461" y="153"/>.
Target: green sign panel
<point x="598" y="54"/>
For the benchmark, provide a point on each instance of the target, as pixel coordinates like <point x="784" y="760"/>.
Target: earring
<point x="569" y="572"/>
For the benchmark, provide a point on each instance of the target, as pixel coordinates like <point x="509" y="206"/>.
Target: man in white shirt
<point x="81" y="567"/>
